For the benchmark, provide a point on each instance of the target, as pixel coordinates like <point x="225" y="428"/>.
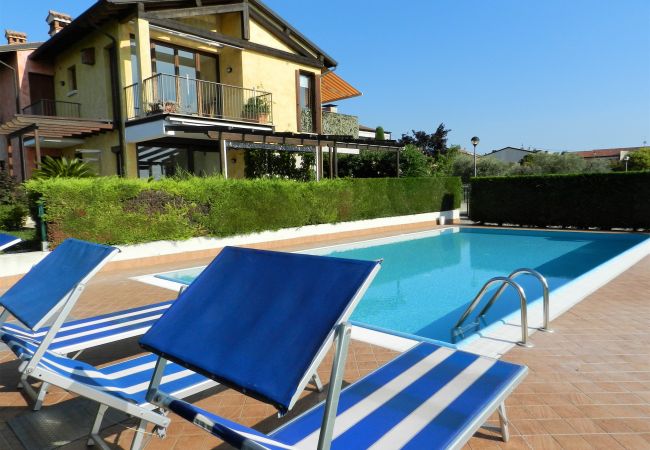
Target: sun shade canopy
<point x="255" y="320"/>
<point x="41" y="291"/>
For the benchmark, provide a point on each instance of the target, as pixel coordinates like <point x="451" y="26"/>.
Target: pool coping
<point x="499" y="337"/>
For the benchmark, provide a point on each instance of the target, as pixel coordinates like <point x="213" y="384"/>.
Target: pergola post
<point x="336" y="161"/>
<point x="37" y="145"/>
<point x="331" y="161"/>
<point x="398" y="150"/>
<point x="224" y="158"/>
<point x="319" y="161"/>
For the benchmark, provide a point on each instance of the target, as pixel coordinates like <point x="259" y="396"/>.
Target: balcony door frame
<point x="315" y="98"/>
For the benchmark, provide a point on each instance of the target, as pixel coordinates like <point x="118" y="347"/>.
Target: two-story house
<point x="151" y="88"/>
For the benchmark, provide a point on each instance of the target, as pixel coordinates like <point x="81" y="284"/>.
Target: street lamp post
<point x="475" y="141"/>
<point x="626" y="159"/>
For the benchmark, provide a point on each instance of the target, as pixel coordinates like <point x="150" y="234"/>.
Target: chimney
<point x="15" y="37"/>
<point x="57" y="21"/>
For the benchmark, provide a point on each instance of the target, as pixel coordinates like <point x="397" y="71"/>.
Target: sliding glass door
<point x="185" y="77"/>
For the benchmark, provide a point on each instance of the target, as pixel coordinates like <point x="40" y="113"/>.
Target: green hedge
<point x="126" y="211"/>
<point x="610" y="200"/>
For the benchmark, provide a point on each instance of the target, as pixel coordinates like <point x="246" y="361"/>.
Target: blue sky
<point x="552" y="74"/>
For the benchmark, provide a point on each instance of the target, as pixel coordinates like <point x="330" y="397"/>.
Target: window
<point x="306" y="91"/>
<point x="306" y="102"/>
<point x="72" y="78"/>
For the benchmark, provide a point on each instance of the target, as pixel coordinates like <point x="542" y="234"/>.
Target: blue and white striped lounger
<point x="7" y="240"/>
<point x="122" y="386"/>
<point x="50" y="291"/>
<point x="429" y="397"/>
<point x="77" y="335"/>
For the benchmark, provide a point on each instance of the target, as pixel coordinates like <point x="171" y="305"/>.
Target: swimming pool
<point x="427" y="280"/>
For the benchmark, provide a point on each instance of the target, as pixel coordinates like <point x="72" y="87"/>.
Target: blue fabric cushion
<point x="254" y="320"/>
<point x="7" y="240"/>
<point x="49" y="281"/>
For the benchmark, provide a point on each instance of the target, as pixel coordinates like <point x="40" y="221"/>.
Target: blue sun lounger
<point x="7" y="240"/>
<point x="121" y="386"/>
<point x="429" y="397"/>
<point x="77" y="335"/>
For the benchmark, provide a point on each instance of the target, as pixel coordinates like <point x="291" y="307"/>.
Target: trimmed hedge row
<point x="610" y="200"/>
<point x="127" y="211"/>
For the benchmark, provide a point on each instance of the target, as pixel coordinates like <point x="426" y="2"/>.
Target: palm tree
<point x="63" y="168"/>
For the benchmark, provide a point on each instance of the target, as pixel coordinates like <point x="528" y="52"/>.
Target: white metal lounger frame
<point x="30" y="369"/>
<point x="342" y="336"/>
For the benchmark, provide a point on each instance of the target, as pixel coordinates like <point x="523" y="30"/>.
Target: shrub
<point x="128" y="211"/>
<point x="64" y="168"/>
<point x="380" y="135"/>
<point x="611" y="200"/>
<point x="13" y="203"/>
<point x="12" y="217"/>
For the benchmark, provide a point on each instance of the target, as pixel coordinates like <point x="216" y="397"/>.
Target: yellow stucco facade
<point x="240" y="67"/>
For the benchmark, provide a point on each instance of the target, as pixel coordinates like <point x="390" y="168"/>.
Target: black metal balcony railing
<point x="53" y="108"/>
<point x="170" y="94"/>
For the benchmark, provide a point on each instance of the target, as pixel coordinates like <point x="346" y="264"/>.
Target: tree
<point x="431" y="144"/>
<point x="414" y="163"/>
<point x="462" y="166"/>
<point x="541" y="163"/>
<point x="639" y="160"/>
<point x="379" y="134"/>
<point x="63" y="168"/>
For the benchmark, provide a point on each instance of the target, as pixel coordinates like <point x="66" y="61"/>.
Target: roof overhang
<point x="104" y="11"/>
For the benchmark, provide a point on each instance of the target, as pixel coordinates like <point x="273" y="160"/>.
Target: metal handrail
<point x="542" y="279"/>
<point x="164" y="93"/>
<point x="53" y="108"/>
<point x="506" y="281"/>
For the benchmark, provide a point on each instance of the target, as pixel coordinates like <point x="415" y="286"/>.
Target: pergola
<point x="283" y="141"/>
<point x="49" y="128"/>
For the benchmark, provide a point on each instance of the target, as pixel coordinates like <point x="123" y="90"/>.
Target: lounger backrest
<point x="256" y="320"/>
<point x="42" y="291"/>
<point x="7" y="240"/>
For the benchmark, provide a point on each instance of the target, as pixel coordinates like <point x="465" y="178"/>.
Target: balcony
<point x="170" y="94"/>
<point x="53" y="108"/>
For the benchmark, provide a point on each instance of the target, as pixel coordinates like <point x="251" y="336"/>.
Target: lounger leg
<point x="139" y="435"/>
<point x="503" y="418"/>
<point x="94" y="432"/>
<point x="38" y="402"/>
<point x="317" y="382"/>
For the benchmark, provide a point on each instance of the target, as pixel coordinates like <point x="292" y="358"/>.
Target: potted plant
<point x="159" y="107"/>
<point x="257" y="109"/>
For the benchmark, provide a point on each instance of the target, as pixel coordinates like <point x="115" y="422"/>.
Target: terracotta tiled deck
<point x="589" y="382"/>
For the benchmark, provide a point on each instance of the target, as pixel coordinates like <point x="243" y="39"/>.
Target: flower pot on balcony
<point x="162" y="107"/>
<point x="263" y="118"/>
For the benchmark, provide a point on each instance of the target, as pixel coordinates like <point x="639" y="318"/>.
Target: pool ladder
<point x="505" y="282"/>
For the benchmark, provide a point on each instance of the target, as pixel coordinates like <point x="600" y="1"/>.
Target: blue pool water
<point x="425" y="284"/>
